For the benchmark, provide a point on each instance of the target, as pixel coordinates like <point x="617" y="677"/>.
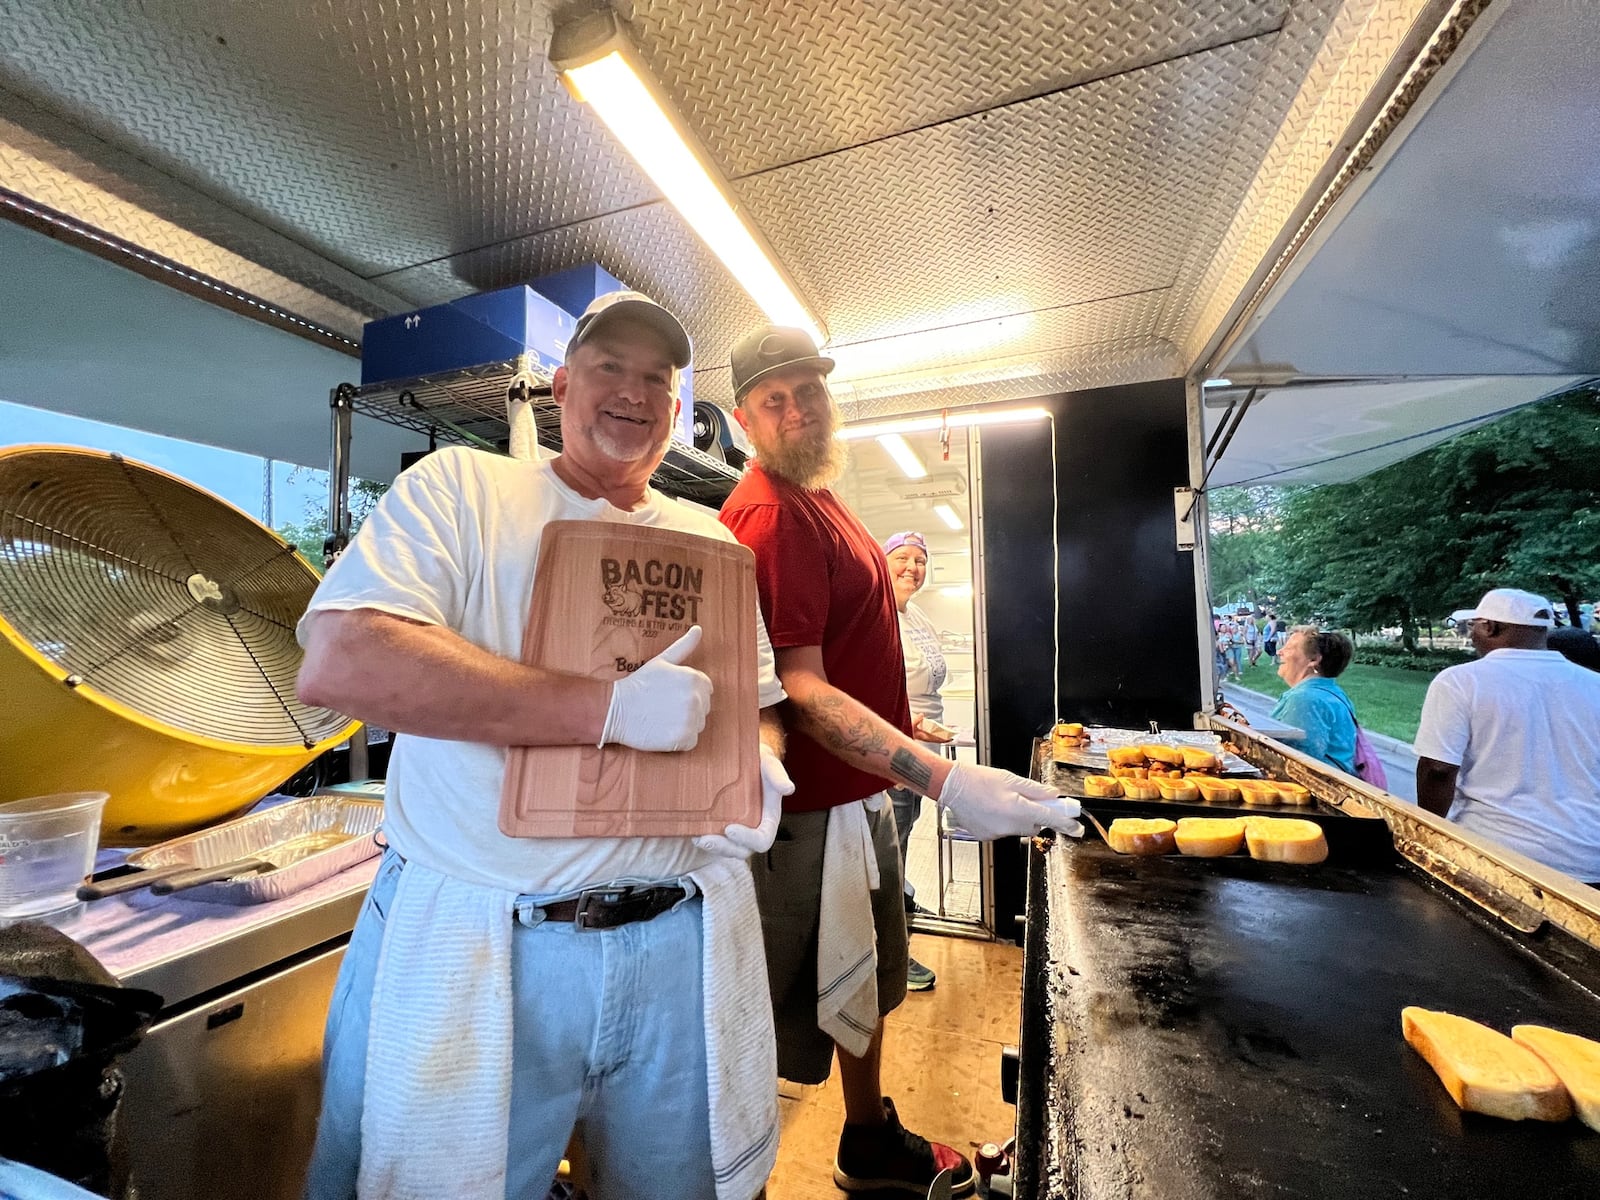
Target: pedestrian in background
<point x="1312" y="660"/>
<point x="1505" y="746"/>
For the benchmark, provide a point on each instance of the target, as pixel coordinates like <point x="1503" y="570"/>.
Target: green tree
<point x="1244" y="547"/>
<point x="308" y="534"/>
<point x="1515" y="503"/>
<point x="1527" y="493"/>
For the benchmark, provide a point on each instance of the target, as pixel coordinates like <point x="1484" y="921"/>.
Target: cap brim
<point x="820" y="362"/>
<point x="645" y="313"/>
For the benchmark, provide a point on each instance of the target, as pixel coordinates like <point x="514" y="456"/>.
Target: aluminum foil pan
<point x="308" y="840"/>
<point x="1094" y="756"/>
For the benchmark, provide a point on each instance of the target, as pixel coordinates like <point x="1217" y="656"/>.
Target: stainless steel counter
<point x="184" y="948"/>
<point x="222" y="1094"/>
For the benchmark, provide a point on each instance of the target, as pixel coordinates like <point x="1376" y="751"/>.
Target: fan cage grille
<point x="158" y="595"/>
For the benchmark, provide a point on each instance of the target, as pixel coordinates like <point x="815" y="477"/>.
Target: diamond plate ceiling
<point x="1064" y="171"/>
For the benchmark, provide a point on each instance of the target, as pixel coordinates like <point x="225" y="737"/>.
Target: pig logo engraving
<point x="624" y="601"/>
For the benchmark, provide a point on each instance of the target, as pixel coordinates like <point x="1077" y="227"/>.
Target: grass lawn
<point x="1387" y="699"/>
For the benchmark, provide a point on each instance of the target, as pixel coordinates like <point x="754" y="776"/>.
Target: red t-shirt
<point x="824" y="582"/>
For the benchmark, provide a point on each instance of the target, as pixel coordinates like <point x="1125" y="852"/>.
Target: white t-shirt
<point x="925" y="665"/>
<point x="454" y="543"/>
<point x="1524" y="727"/>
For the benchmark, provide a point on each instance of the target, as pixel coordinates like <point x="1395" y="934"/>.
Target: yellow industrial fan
<point x="147" y="645"/>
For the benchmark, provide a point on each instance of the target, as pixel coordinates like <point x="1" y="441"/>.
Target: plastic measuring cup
<point x="47" y="848"/>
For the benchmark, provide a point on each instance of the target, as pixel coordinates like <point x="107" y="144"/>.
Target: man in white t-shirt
<point x="501" y="993"/>
<point x="1509" y="745"/>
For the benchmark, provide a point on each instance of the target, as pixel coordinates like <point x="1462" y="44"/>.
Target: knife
<point x="130" y="882"/>
<point x="195" y="876"/>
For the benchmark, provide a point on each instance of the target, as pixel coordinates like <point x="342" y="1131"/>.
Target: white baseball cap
<point x="609" y="306"/>
<point x="1510" y="606"/>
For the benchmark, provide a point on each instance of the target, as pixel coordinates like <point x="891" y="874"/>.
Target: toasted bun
<point x="1069" y="729"/>
<point x="1130" y="772"/>
<point x="1215" y="789"/>
<point x="1285" y="839"/>
<point x="1258" y="790"/>
<point x="1140" y="835"/>
<point x="1156" y="752"/>
<point x="1210" y="837"/>
<point x="1125" y="756"/>
<point x="1101" y="785"/>
<point x="1485" y="1071"/>
<point x="1140" y="789"/>
<point x="1177" y="789"/>
<point x="1575" y="1061"/>
<point x="1196" y="759"/>
<point x="1292" y="793"/>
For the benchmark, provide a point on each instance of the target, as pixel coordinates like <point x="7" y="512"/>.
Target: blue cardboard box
<point x="574" y="288"/>
<point x="489" y="327"/>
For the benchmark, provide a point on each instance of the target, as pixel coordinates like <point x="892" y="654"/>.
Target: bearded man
<point x="830" y="893"/>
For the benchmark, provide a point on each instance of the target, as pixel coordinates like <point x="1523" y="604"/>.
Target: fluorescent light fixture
<point x="904" y="456"/>
<point x="956" y="420"/>
<point x="601" y="69"/>
<point x="949" y="342"/>
<point x="1213" y="383"/>
<point x="948" y="515"/>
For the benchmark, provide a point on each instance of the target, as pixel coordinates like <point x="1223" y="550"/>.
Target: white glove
<point x="990" y="803"/>
<point x="741" y="841"/>
<point x="662" y="705"/>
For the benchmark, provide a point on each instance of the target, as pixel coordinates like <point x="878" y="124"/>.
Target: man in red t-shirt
<point x="832" y="902"/>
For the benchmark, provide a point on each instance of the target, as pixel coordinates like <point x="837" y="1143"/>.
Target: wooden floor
<point x="941" y="1065"/>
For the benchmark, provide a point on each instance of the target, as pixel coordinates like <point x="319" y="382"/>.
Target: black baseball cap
<point x="772" y="348"/>
<point x="608" y="307"/>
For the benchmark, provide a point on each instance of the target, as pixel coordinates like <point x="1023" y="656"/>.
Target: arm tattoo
<point x="905" y="766"/>
<point x="841" y="730"/>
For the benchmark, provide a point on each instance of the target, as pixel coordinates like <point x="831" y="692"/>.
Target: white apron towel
<point x="437" y="1107"/>
<point x="847" y="945"/>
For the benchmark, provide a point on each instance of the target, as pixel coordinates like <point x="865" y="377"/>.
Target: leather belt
<point x="607" y="908"/>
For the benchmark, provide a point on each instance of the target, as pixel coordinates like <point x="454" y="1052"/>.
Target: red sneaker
<point x="889" y="1157"/>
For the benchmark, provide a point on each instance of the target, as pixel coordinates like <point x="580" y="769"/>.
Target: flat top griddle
<point x="1228" y="1028"/>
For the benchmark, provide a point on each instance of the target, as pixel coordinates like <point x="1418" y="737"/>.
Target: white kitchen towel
<point x="847" y="946"/>
<point x="521" y="428"/>
<point x="438" y="1095"/>
<point x="741" y="1051"/>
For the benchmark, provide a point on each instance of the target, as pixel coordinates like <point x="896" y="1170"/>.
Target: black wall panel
<point x="1128" y="637"/>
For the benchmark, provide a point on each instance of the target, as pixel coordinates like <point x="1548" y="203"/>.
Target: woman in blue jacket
<point x="1312" y="659"/>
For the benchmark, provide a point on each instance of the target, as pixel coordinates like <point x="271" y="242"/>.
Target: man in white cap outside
<point x="500" y="993"/>
<point x="1509" y="745"/>
<point x="832" y="903"/>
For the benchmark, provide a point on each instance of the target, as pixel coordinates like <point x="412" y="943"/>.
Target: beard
<point x="618" y="450"/>
<point x="813" y="461"/>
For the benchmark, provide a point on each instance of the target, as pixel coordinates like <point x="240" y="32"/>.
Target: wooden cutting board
<point x="607" y="598"/>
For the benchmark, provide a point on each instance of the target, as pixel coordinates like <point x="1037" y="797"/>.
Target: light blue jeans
<point x="609" y="1040"/>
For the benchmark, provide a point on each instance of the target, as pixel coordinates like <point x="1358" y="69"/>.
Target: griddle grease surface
<point x="1229" y="1028"/>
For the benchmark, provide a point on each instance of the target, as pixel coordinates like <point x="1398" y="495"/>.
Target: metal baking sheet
<point x="1068" y="780"/>
<point x="309" y="840"/>
<point x="1210" y="1028"/>
<point x="1094" y="757"/>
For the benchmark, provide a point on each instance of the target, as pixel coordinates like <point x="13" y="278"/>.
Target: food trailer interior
<point x="1232" y="242"/>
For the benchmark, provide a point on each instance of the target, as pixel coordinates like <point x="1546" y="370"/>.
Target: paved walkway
<point x="1399" y="760"/>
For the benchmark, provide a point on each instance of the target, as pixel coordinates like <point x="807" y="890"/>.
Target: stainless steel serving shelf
<point x="468" y="408"/>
